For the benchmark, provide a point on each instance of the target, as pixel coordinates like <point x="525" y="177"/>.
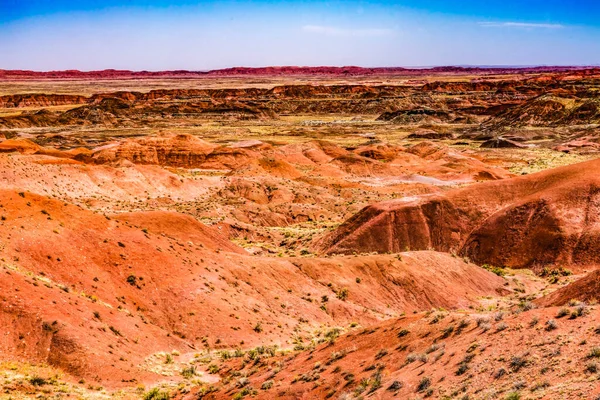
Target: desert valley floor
<point x="300" y="234"/>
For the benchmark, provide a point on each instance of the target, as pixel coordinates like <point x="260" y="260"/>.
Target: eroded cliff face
<point x="40" y="100"/>
<point x="533" y="221"/>
<point x="561" y="100"/>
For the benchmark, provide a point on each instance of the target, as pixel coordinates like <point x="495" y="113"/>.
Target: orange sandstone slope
<point x="544" y="218"/>
<point x="437" y="355"/>
<point x="97" y="296"/>
<point x="586" y="289"/>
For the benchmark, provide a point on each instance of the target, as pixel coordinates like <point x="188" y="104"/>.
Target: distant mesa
<point x="275" y="71"/>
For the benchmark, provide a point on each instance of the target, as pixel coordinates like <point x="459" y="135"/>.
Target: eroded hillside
<point x="345" y="234"/>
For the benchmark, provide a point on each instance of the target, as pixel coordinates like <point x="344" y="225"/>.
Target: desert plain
<point x="300" y="233"/>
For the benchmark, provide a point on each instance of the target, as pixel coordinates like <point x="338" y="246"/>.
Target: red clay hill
<point x="98" y="296"/>
<point x="433" y="355"/>
<point x="534" y="220"/>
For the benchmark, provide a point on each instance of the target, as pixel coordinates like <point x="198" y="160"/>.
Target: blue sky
<point x="200" y="35"/>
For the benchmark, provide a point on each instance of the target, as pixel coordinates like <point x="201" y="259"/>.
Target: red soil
<point x="163" y="281"/>
<point x="428" y="355"/>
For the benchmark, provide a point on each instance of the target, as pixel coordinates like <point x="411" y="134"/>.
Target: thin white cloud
<point x="520" y="25"/>
<point x="335" y="31"/>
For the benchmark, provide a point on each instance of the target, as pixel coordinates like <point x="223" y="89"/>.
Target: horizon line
<point x="241" y="67"/>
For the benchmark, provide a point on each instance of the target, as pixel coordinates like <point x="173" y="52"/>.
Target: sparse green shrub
<point x="551" y="325"/>
<point x="447" y="331"/>
<point x="242" y="382"/>
<point x="462" y="368"/>
<point x="342" y="294"/>
<point x="591" y="367"/>
<point x="247" y="391"/>
<point x="526" y="306"/>
<point x="188" y="372"/>
<point x="403" y="332"/>
<point x="332" y="334"/>
<point x="213" y="369"/>
<point x="500" y="373"/>
<point x="562" y="312"/>
<point x="540" y="386"/>
<point x="336" y="355"/>
<point x="432" y="348"/>
<point x="462" y="325"/>
<point x="553" y="275"/>
<point x="594" y="352"/>
<point x="424" y="384"/>
<point x="437" y="318"/>
<point x="375" y="382"/>
<point x="517" y="362"/>
<point x="381" y="353"/>
<point x="38" y="381"/>
<point x="267" y="385"/>
<point x="580" y="310"/>
<point x="496" y="270"/>
<point x="156" y="394"/>
<point x="115" y="330"/>
<point x="132" y="280"/>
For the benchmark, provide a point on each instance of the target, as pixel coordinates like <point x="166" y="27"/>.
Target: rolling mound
<point x="180" y="226"/>
<point x="99" y="296"/>
<point x="424" y="161"/>
<point x="544" y="218"/>
<point x="179" y="150"/>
